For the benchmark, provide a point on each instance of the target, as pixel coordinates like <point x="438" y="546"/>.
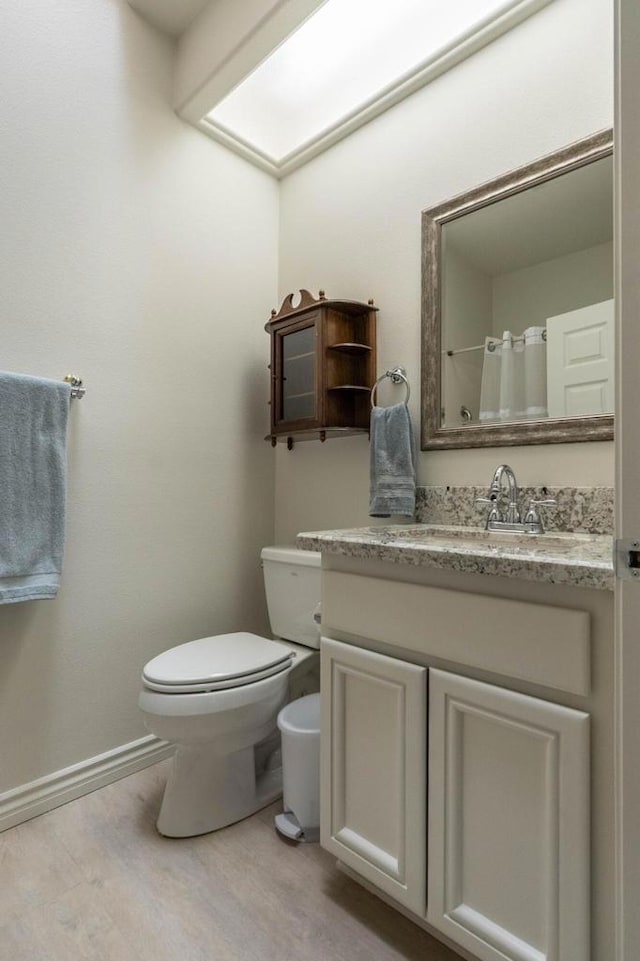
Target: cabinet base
<point x="421" y="923"/>
<point x="318" y="433"/>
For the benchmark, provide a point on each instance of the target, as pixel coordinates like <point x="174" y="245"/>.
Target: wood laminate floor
<point x="93" y="881"/>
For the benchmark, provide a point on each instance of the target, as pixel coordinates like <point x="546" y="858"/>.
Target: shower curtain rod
<point x="491" y="346"/>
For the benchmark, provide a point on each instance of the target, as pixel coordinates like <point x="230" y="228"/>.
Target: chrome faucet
<point x="507" y="518"/>
<point x="512" y="515"/>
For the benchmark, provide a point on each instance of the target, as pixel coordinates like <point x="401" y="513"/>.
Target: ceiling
<point x="563" y="215"/>
<point x="340" y="59"/>
<point x="280" y="81"/>
<point x="169" y="16"/>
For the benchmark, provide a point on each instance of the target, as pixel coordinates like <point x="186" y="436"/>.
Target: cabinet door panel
<point x="508" y="822"/>
<point x="374" y="768"/>
<point x="299" y="374"/>
<point x="295" y="370"/>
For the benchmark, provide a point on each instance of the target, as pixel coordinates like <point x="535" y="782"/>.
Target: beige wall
<point x="526" y="297"/>
<point x="467" y="305"/>
<point x="142" y="256"/>
<point x="350" y="223"/>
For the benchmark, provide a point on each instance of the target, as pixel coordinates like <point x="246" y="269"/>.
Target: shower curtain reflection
<point x="514" y="377"/>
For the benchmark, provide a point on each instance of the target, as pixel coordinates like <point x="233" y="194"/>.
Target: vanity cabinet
<point x="323" y="362"/>
<point x="373" y="768"/>
<point x="465" y="802"/>
<point x="508" y="816"/>
<point x="507" y="806"/>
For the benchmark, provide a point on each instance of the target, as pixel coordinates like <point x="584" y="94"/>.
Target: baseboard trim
<point x="37" y="797"/>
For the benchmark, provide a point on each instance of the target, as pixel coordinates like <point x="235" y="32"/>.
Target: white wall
<point x="350" y="223"/>
<point x="142" y="256"/>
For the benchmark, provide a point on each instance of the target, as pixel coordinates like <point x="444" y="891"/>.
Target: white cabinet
<point x="508" y="816"/>
<point x="507" y="874"/>
<point x="506" y="786"/>
<point x="373" y="768"/>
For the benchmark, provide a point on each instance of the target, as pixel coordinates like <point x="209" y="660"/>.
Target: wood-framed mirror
<point x="517" y="306"/>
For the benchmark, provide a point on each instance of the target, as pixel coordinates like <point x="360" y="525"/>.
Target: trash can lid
<point x="301" y="716"/>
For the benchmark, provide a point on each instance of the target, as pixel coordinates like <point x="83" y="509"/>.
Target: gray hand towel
<point x="33" y="426"/>
<point x="393" y="473"/>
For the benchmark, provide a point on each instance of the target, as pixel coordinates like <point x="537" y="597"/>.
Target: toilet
<point x="217" y="699"/>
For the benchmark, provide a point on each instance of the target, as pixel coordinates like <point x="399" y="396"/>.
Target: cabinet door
<point x="508" y="822"/>
<point x="373" y="777"/>
<point x="296" y="363"/>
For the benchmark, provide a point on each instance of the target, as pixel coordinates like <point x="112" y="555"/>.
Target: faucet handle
<point x="532" y="519"/>
<point x="493" y="514"/>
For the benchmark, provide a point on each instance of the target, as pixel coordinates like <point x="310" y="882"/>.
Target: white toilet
<point x="217" y="699"/>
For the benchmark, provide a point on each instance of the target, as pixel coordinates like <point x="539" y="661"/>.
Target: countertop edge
<point x="595" y="574"/>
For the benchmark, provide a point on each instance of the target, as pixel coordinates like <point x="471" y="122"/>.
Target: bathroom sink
<point x="553" y="542"/>
<point x="555" y="557"/>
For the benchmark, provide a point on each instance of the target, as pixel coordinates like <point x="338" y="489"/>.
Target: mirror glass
<point x="518" y="323"/>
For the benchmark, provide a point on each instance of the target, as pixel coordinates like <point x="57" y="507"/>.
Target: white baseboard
<point x="46" y="793"/>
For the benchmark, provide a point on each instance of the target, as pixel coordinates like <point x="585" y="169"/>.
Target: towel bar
<point x="77" y="390"/>
<point x="397" y="375"/>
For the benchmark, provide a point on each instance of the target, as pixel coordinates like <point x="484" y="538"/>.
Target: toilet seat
<point x="215" y="664"/>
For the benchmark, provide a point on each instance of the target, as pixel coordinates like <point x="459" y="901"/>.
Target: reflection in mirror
<point x="518" y="306"/>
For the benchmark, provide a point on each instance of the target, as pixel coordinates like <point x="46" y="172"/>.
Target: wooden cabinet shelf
<point x="309" y="353"/>
<point x="323" y="363"/>
<point x="350" y="348"/>
<point x="350" y="387"/>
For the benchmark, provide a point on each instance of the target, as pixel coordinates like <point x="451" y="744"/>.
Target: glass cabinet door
<point x="298" y="374"/>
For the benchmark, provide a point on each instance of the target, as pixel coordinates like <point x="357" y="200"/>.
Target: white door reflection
<point x="581" y="362"/>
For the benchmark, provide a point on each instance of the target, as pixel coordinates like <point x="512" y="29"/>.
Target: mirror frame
<point x="557" y="431"/>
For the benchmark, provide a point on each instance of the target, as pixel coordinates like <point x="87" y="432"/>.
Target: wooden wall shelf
<point x="323" y="364"/>
<point x="351" y="348"/>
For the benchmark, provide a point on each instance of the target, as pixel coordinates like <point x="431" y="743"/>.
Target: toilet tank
<point x="292" y="586"/>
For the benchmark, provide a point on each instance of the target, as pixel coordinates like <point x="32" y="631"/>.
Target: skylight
<point x="343" y="61"/>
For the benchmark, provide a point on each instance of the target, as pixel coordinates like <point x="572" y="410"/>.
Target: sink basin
<point x="554" y="542"/>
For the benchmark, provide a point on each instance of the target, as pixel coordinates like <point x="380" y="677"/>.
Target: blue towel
<point x="393" y="472"/>
<point x="33" y="427"/>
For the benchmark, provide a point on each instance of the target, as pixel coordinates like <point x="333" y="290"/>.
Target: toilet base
<point x="207" y="791"/>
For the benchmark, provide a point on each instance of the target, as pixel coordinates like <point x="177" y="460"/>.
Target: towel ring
<point x="397" y="375"/>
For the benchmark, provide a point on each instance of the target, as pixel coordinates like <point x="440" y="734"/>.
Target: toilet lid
<point x="216" y="663"/>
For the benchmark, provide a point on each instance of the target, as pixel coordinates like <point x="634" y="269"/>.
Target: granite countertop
<point x="583" y="560"/>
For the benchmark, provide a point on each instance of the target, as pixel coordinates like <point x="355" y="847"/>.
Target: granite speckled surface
<point x="583" y="560"/>
<point x="577" y="547"/>
<point x="587" y="510"/>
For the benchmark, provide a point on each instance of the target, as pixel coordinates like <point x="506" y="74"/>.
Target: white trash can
<point x="299" y="724"/>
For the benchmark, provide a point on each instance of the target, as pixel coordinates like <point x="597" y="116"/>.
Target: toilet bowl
<point x="217" y="699"/>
